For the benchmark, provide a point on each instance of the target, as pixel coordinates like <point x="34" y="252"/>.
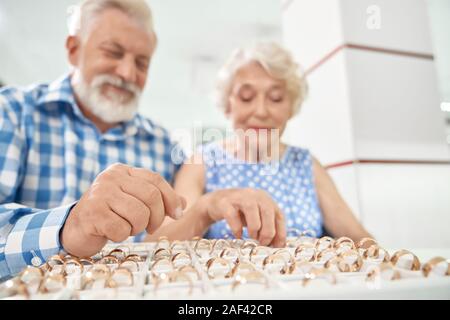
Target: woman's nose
<point x="261" y="108"/>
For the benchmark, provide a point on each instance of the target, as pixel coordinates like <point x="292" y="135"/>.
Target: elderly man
<point x="78" y="165"/>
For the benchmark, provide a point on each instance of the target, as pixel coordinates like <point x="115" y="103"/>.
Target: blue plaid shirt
<point x="49" y="156"/>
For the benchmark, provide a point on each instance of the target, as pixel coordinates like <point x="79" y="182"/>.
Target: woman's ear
<point x="228" y="107"/>
<point x="292" y="112"/>
<point x="227" y="112"/>
<point x="73" y="45"/>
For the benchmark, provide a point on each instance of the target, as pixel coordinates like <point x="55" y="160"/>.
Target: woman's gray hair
<point x="277" y="61"/>
<point x="83" y="15"/>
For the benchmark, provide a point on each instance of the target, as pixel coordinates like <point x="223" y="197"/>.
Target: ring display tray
<point x="307" y="268"/>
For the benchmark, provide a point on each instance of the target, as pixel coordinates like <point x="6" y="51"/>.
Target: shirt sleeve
<point x="28" y="236"/>
<point x="25" y="233"/>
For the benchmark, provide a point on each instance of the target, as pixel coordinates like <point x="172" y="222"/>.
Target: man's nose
<point x="126" y="69"/>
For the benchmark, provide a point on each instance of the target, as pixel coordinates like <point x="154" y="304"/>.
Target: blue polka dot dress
<point x="290" y="183"/>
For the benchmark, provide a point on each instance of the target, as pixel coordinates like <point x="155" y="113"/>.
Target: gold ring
<point x="189" y="269"/>
<point x="13" y="287"/>
<point x="220" y="244"/>
<point x="328" y="241"/>
<point x="97" y="272"/>
<point x="340" y="263"/>
<point x="118" y="253"/>
<point x="230" y="253"/>
<point x="125" y="249"/>
<point x="374" y="272"/>
<point x="304" y="247"/>
<point x="256" y="251"/>
<point x="204" y="245"/>
<point x="236" y="243"/>
<point x="324" y="253"/>
<point x="180" y="256"/>
<point x="285" y="253"/>
<point x="415" y="266"/>
<point x="68" y="257"/>
<point x="247" y="245"/>
<point x="162" y="252"/>
<point x="162" y="240"/>
<point x="214" y="261"/>
<point x="113" y="282"/>
<point x="269" y="260"/>
<point x="31" y="275"/>
<point x="292" y="243"/>
<point x="239" y="267"/>
<point x="177" y="246"/>
<point x="130" y="265"/>
<point x="344" y="240"/>
<point x="87" y="262"/>
<point x="52" y="283"/>
<point x="161" y="261"/>
<point x="54" y="260"/>
<point x="431" y="264"/>
<point x="72" y="264"/>
<point x="373" y="252"/>
<point x="357" y="264"/>
<point x="365" y="243"/>
<point x="133" y="257"/>
<point x="108" y="260"/>
<point x="304" y="267"/>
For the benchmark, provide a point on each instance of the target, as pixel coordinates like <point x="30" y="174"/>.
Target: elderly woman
<point x="260" y="88"/>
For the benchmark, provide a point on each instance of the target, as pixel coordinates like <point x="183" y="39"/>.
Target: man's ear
<point x="73" y="45"/>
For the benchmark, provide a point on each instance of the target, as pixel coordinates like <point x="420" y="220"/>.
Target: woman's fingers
<point x="232" y="217"/>
<point x="279" y="241"/>
<point x="251" y="213"/>
<point x="268" y="231"/>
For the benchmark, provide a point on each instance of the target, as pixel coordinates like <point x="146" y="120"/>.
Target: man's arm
<point x="121" y="202"/>
<point x="28" y="236"/>
<point x="25" y="233"/>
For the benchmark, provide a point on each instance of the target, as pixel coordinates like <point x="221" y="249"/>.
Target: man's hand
<point x="122" y="202"/>
<point x="248" y="207"/>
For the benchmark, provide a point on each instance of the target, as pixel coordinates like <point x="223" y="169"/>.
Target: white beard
<point x="110" y="107"/>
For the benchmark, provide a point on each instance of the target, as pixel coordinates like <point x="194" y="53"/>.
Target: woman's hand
<point x="252" y="208"/>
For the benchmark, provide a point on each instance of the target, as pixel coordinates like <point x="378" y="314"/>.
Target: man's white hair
<point x="83" y="15"/>
<point x="277" y="61"/>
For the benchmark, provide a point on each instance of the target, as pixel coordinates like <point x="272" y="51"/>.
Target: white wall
<point x="368" y="104"/>
<point x="439" y="13"/>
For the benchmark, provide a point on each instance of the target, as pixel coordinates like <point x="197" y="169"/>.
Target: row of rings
<point x="71" y="264"/>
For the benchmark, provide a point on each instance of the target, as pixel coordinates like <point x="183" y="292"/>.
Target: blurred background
<point x="379" y="77"/>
